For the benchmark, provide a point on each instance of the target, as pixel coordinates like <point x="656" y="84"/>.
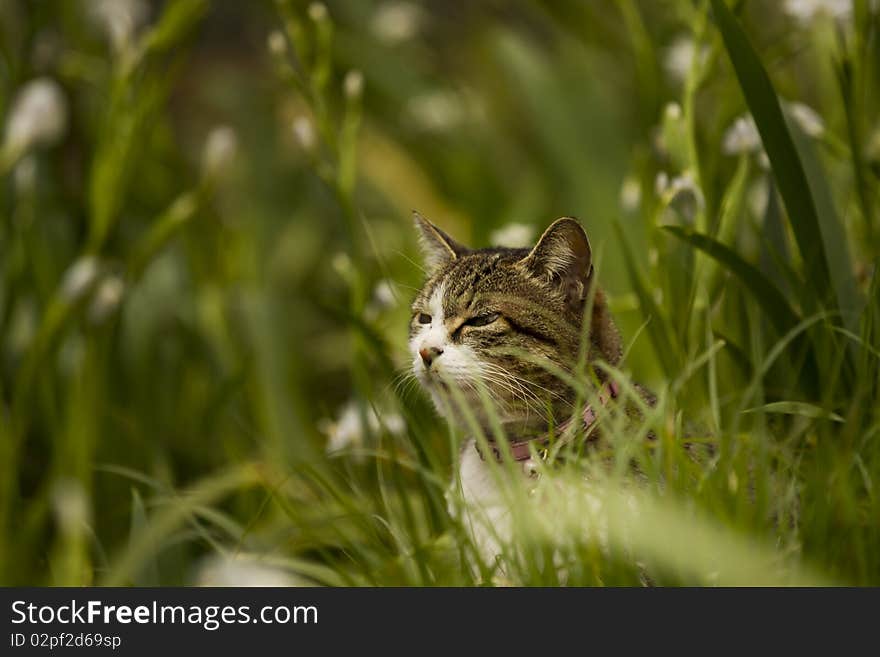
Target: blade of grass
<point x="850" y="77"/>
<point x="833" y="236"/>
<point x="657" y="328"/>
<point x="768" y="296"/>
<point x="143" y="546"/>
<point x="815" y="235"/>
<point x="736" y="353"/>
<point x="796" y="408"/>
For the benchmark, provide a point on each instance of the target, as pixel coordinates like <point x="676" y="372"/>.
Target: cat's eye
<point x="424" y="318"/>
<point x="482" y="320"/>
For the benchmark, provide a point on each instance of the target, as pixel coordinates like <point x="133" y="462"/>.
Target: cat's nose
<point x="429" y="354"/>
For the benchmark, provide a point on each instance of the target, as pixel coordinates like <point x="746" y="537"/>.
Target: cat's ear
<point x="563" y="259"/>
<point x="438" y="249"/>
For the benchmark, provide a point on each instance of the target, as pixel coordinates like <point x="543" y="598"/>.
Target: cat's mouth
<point x="450" y="387"/>
<point x="437" y="381"/>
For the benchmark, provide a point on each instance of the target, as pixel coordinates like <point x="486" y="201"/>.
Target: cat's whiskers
<point x="411" y="261"/>
<point x="472" y="381"/>
<point x="517" y="391"/>
<point x="522" y="384"/>
<point x="400" y="379"/>
<point x="527" y="383"/>
<point x="403" y="383"/>
<point x="503" y="407"/>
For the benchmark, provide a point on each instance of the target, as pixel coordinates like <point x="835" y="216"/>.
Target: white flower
<point x="219" y="151"/>
<point x="353" y="84"/>
<point x="682" y="193"/>
<point x="672" y="112"/>
<point x="243" y="570"/>
<point x="684" y="183"/>
<point x="807" y="118"/>
<point x="384" y="298"/>
<point x="38" y="116"/>
<point x="394" y="22"/>
<point x="741" y="137"/>
<point x="276" y="43"/>
<point x="318" y="11"/>
<point x="394" y="423"/>
<point x="120" y="19"/>
<point x="107" y="298"/>
<point x="71" y="505"/>
<point x="661" y="183"/>
<point x="348" y="430"/>
<point x="384" y="294"/>
<point x="436" y="110"/>
<point x="513" y="235"/>
<point x="304" y="133"/>
<point x="757" y="197"/>
<point x="679" y="57"/>
<point x="806" y="11"/>
<point x="630" y="194"/>
<point x="79" y="278"/>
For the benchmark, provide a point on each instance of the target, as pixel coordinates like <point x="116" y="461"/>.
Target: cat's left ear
<point x="438" y="249"/>
<point x="563" y="258"/>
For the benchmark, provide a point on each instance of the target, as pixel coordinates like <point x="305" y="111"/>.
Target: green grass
<point x="185" y="312"/>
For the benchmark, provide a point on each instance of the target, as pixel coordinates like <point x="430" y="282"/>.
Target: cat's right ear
<point x="563" y="259"/>
<point x="438" y="249"/>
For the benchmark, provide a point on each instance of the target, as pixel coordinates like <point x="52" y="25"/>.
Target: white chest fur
<point x="484" y="507"/>
<point x="559" y="510"/>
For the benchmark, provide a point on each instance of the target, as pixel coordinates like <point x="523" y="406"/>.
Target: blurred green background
<point x="207" y="259"/>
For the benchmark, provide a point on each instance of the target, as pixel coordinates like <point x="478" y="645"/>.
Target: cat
<point x="502" y="322"/>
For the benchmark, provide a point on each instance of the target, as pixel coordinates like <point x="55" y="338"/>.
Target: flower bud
<point x="395" y="22"/>
<point x="276" y="43"/>
<point x="630" y="194"/>
<point x="679" y="57"/>
<point x="353" y="84"/>
<point x="513" y="235"/>
<point x="304" y="132"/>
<point x="741" y="137"/>
<point x="38" y="116"/>
<point x="120" y="19"/>
<point x="318" y="11"/>
<point x="70" y="504"/>
<point x="219" y="152"/>
<point x="107" y="298"/>
<point x="807" y="11"/>
<point x="807" y="119"/>
<point x="243" y="570"/>
<point x="79" y="278"/>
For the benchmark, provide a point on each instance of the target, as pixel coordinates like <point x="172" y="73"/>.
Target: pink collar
<point x="519" y="449"/>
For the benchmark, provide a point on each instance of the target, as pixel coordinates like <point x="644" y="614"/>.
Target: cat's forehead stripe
<point x="465" y="279"/>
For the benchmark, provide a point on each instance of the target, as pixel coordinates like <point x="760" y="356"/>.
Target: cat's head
<point x="504" y="320"/>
